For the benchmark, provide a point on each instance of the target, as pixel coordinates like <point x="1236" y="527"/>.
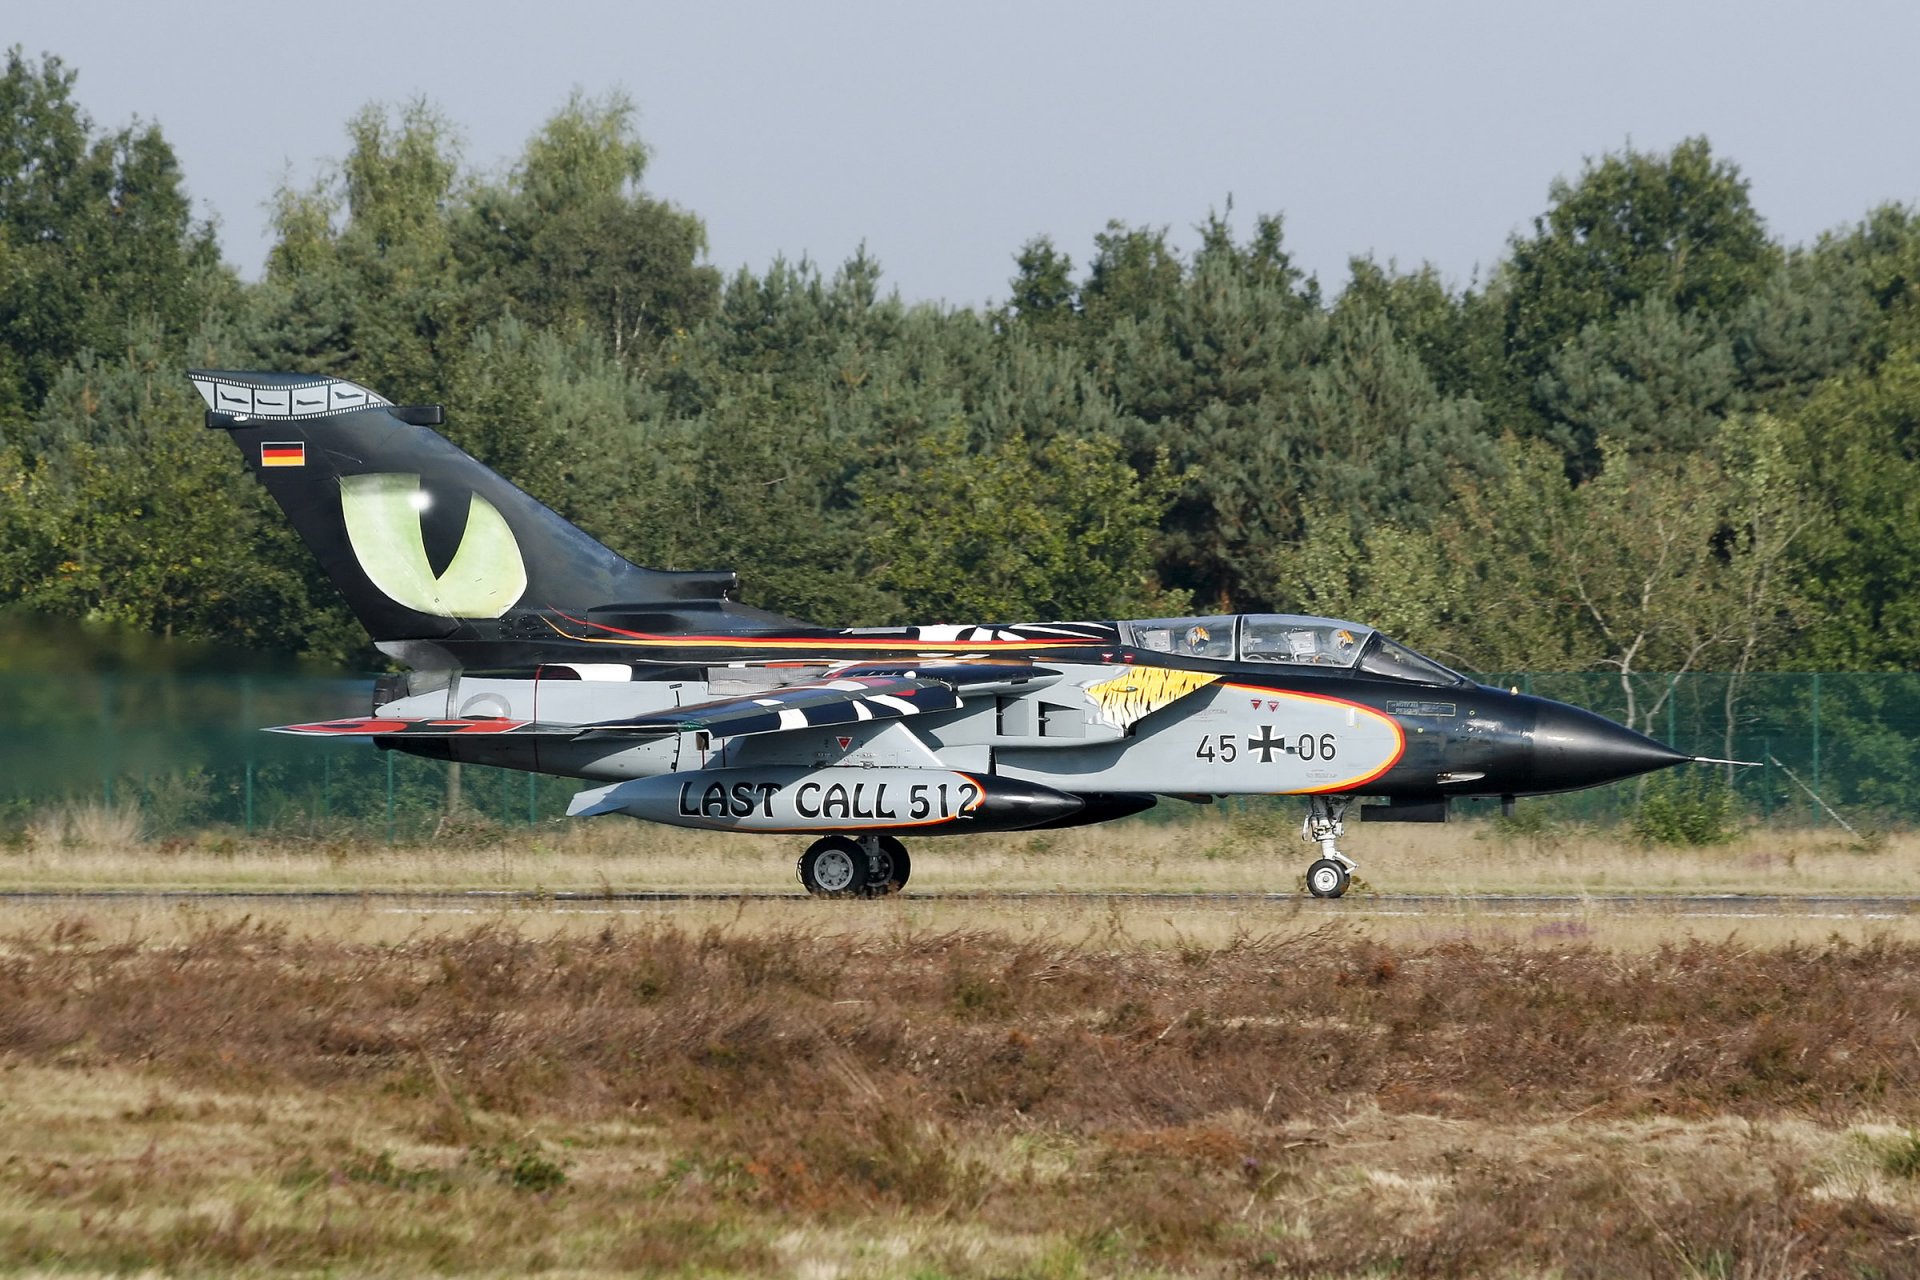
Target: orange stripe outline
<point x="1348" y="784"/>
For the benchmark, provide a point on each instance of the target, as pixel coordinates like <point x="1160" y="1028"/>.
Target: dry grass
<point x="237" y="1098"/>
<point x="1129" y="924"/>
<point x="84" y="827"/>
<point x="1256" y="852"/>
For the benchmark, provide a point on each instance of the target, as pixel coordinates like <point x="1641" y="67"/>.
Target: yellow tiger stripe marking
<point x="1138" y="692"/>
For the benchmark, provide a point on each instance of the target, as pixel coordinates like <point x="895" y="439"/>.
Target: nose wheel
<point x="869" y="866"/>
<point x="1333" y="870"/>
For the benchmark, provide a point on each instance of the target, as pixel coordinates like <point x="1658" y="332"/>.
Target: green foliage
<point x="1809" y="321"/>
<point x="1134" y="273"/>
<point x="1018" y="533"/>
<point x="1638" y="225"/>
<point x="1650" y="380"/>
<point x="1859" y="441"/>
<point x="94" y="229"/>
<point x="519" y="1166"/>
<point x="1213" y="377"/>
<point x="1043" y="298"/>
<point x="1456" y="337"/>
<point x="570" y="242"/>
<point x="1661" y="563"/>
<point x="362" y="280"/>
<point x="1635" y="228"/>
<point x="1898" y="1155"/>
<point x="1533" y="823"/>
<point x="741" y="486"/>
<point x="1690" y="807"/>
<point x="1875" y="266"/>
<point x="132" y="513"/>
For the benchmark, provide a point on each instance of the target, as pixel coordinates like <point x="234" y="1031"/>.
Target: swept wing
<point x="856" y="694"/>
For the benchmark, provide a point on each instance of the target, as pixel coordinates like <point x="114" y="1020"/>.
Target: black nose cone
<point x="1573" y="748"/>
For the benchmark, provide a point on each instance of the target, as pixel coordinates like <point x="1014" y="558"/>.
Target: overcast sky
<point x="947" y="136"/>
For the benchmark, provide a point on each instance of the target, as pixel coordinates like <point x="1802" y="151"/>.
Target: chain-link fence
<point x="1827" y="743"/>
<point x="188" y="751"/>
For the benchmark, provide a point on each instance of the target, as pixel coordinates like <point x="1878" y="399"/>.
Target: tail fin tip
<point x="235" y="395"/>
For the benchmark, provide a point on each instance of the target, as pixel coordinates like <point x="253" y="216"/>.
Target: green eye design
<point x="485" y="578"/>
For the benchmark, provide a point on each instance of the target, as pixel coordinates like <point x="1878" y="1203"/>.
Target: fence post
<point x="1673" y="711"/>
<point x="106" y="725"/>
<point x="1766" y="781"/>
<point x="246" y="718"/>
<point x="533" y="799"/>
<point x="1816" y="747"/>
<point x="389" y="797"/>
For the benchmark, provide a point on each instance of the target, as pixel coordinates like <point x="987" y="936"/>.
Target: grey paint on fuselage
<point x="1230" y="737"/>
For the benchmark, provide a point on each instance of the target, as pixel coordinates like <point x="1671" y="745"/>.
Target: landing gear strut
<point x="868" y="866"/>
<point x="888" y="865"/>
<point x="1331" y="872"/>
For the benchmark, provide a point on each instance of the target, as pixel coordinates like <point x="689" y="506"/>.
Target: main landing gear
<point x="868" y="866"/>
<point x="1333" y="870"/>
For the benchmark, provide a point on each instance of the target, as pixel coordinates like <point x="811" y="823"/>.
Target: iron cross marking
<point x="1266" y="744"/>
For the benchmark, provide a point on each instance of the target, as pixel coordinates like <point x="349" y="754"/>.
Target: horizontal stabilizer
<point x="394" y="727"/>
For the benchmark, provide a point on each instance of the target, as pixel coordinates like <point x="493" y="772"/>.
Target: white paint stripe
<point x="791" y="719"/>
<point x="861" y="711"/>
<point x="901" y="705"/>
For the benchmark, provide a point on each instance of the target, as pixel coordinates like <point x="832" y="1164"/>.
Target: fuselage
<point x="1197" y="707"/>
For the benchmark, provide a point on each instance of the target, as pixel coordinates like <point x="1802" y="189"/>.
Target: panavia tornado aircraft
<point x="534" y="647"/>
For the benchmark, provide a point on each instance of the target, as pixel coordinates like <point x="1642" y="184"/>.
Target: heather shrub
<point x="1686" y="807"/>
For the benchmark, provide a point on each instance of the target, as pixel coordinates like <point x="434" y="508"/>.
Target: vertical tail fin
<point x="444" y="561"/>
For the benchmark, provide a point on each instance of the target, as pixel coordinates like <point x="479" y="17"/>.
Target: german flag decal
<point x="284" y="455"/>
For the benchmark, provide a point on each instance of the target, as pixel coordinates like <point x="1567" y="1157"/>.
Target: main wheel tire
<point x="1327" y="878"/>
<point x="890" y="876"/>
<point x="834" y="867"/>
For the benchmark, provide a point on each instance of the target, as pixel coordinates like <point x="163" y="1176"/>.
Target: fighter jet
<point x="534" y="647"/>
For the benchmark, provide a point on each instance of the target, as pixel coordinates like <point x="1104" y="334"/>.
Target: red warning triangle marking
<point x="844" y="742"/>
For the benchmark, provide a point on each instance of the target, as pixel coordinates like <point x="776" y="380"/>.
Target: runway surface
<point x="1734" y="905"/>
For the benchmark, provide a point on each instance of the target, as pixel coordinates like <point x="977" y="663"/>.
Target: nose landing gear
<point x="1333" y="870"/>
<point x="868" y="866"/>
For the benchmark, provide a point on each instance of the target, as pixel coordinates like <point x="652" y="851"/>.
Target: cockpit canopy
<point x="1326" y="644"/>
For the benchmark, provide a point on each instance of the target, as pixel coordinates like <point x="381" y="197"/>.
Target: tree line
<point x="1653" y="438"/>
